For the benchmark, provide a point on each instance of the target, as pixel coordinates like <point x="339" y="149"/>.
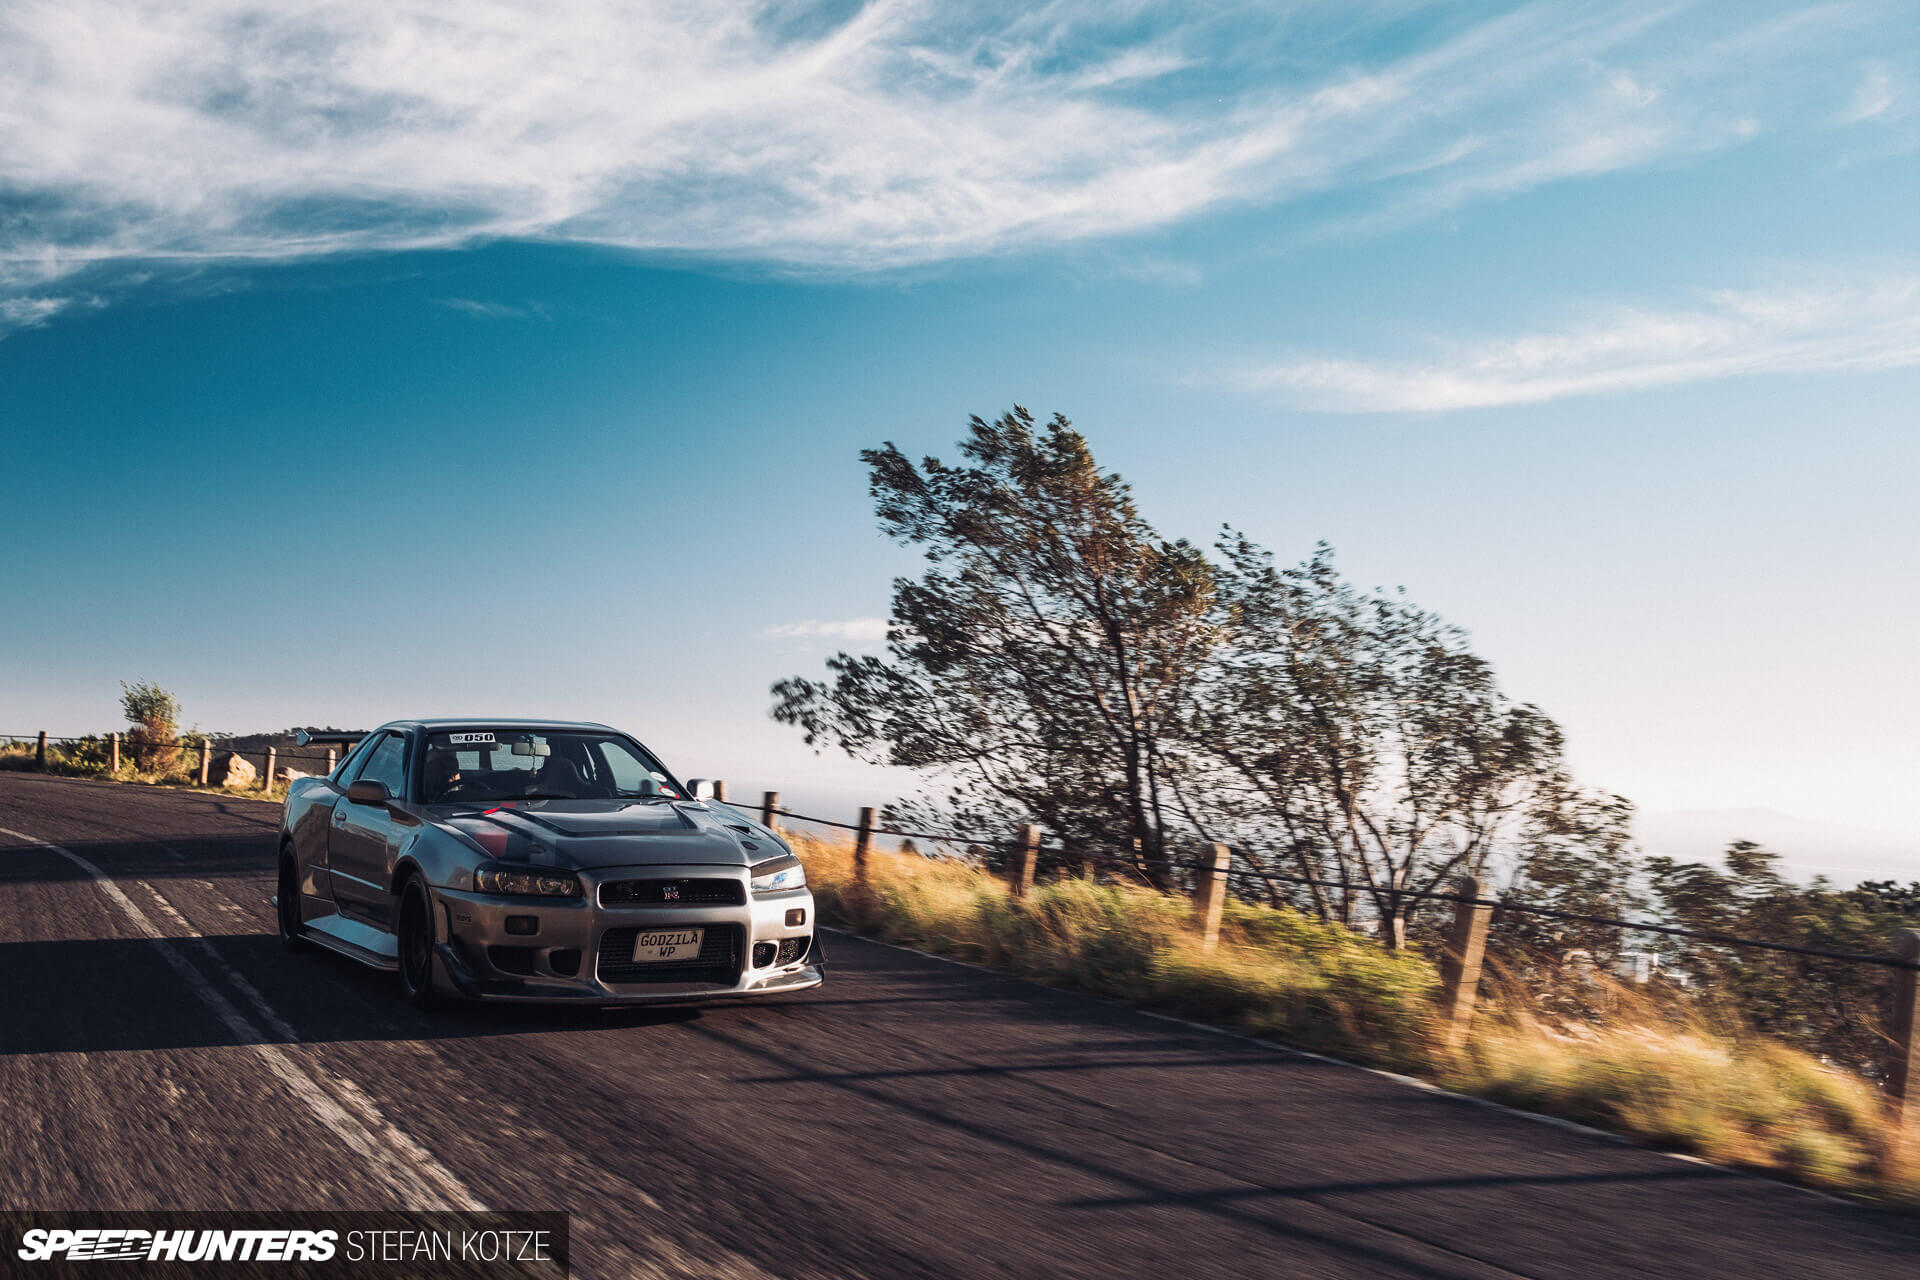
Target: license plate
<point x="654" y="946"/>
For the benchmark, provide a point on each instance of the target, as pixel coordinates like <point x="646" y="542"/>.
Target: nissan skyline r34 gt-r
<point x="538" y="860"/>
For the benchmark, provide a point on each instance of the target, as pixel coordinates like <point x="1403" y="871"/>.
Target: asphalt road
<point x="912" y="1118"/>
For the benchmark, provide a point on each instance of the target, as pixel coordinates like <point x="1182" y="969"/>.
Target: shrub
<point x="84" y="757"/>
<point x="154" y="716"/>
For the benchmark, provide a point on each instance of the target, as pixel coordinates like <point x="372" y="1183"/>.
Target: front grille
<point x="718" y="963"/>
<point x="673" y="893"/>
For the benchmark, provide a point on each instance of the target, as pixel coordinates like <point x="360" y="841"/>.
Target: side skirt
<point x="356" y="941"/>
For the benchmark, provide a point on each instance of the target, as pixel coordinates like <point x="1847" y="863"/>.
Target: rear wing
<point x="327" y="737"/>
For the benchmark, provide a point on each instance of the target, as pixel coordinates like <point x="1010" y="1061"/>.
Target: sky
<point x="390" y="359"/>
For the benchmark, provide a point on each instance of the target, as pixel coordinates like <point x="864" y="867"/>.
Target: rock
<point x="234" y="770"/>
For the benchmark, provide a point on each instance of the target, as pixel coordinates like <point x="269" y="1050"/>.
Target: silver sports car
<point x="538" y="860"/>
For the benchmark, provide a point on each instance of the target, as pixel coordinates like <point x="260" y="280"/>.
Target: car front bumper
<point x="580" y="950"/>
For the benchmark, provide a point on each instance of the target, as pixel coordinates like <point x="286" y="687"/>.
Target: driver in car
<point x="442" y="774"/>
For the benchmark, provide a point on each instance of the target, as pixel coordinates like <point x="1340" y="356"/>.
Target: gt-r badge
<point x="670" y="892"/>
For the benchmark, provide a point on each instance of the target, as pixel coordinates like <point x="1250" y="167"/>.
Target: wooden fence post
<point x="1460" y="962"/>
<point x="1903" y="1072"/>
<point x="720" y="790"/>
<point x="266" y="779"/>
<point x="1210" y="892"/>
<point x="206" y="759"/>
<point x="1026" y="857"/>
<point x="862" y="843"/>
<point x="40" y="752"/>
<point x="769" y="801"/>
<point x="115" y="766"/>
<point x="333" y="759"/>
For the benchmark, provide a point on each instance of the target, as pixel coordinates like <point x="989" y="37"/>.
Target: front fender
<point x="441" y="859"/>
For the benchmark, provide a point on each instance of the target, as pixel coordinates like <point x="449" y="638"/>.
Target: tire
<point x="287" y="908"/>
<point x="415" y="936"/>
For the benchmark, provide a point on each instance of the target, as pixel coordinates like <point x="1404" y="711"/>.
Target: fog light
<point x="797" y="916"/>
<point x="762" y="954"/>
<point x="511" y="959"/>
<point x="523" y="924"/>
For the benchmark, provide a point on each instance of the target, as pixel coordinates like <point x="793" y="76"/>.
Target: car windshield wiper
<point x="544" y="795"/>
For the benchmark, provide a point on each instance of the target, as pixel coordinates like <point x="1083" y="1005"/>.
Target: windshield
<point x="522" y="764"/>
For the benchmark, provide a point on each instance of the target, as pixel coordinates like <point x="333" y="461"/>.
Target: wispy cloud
<point x="811" y="137"/>
<point x="26" y="313"/>
<point x="1871" y="97"/>
<point x="850" y="630"/>
<point x="494" y="310"/>
<point x="1826" y="323"/>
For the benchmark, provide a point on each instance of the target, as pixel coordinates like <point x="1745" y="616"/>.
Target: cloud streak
<point x="899" y="133"/>
<point x="1826" y="324"/>
<point x="851" y="630"/>
<point x="482" y="310"/>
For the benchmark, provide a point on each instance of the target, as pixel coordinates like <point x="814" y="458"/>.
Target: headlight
<point x="779" y="875"/>
<point x="524" y="882"/>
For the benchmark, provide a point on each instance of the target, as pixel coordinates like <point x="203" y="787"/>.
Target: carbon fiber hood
<point x="583" y="834"/>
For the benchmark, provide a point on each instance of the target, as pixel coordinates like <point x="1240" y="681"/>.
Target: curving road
<point x="912" y="1118"/>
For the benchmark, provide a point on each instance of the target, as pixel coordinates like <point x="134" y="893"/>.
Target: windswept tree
<point x="1060" y="663"/>
<point x="1359" y="743"/>
<point x="153" y="717"/>
<point x="1041" y="667"/>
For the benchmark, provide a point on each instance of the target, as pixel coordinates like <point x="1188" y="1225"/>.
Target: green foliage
<point x="154" y="715"/>
<point x="1830" y="1007"/>
<point x="1060" y="663"/>
<point x="84" y="758"/>
<point x="1354" y="738"/>
<point x="146" y="705"/>
<point x="1041" y="663"/>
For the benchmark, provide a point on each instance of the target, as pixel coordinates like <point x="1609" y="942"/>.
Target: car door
<point x="362" y="837"/>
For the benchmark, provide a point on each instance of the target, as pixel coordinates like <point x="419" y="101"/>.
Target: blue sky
<point x="378" y="361"/>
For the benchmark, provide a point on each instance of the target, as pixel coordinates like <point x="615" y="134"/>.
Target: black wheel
<point x="287" y="907"/>
<point x="416" y="947"/>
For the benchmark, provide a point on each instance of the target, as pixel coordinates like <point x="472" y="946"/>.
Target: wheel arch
<point x="404" y="870"/>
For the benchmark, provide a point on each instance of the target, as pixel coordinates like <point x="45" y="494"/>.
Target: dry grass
<point x="90" y="758"/>
<point x="1275" y="973"/>
<point x="1745" y="1101"/>
<point x="1649" y="1072"/>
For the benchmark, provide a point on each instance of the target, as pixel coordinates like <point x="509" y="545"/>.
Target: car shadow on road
<point x="189" y="857"/>
<point x="96" y="995"/>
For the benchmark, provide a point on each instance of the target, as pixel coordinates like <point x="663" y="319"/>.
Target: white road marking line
<point x="267" y="1012"/>
<point x="425" y="1184"/>
<point x="349" y="1092"/>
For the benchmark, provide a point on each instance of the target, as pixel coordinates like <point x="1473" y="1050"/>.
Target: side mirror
<point x="367" y="791"/>
<point x="700" y="788"/>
